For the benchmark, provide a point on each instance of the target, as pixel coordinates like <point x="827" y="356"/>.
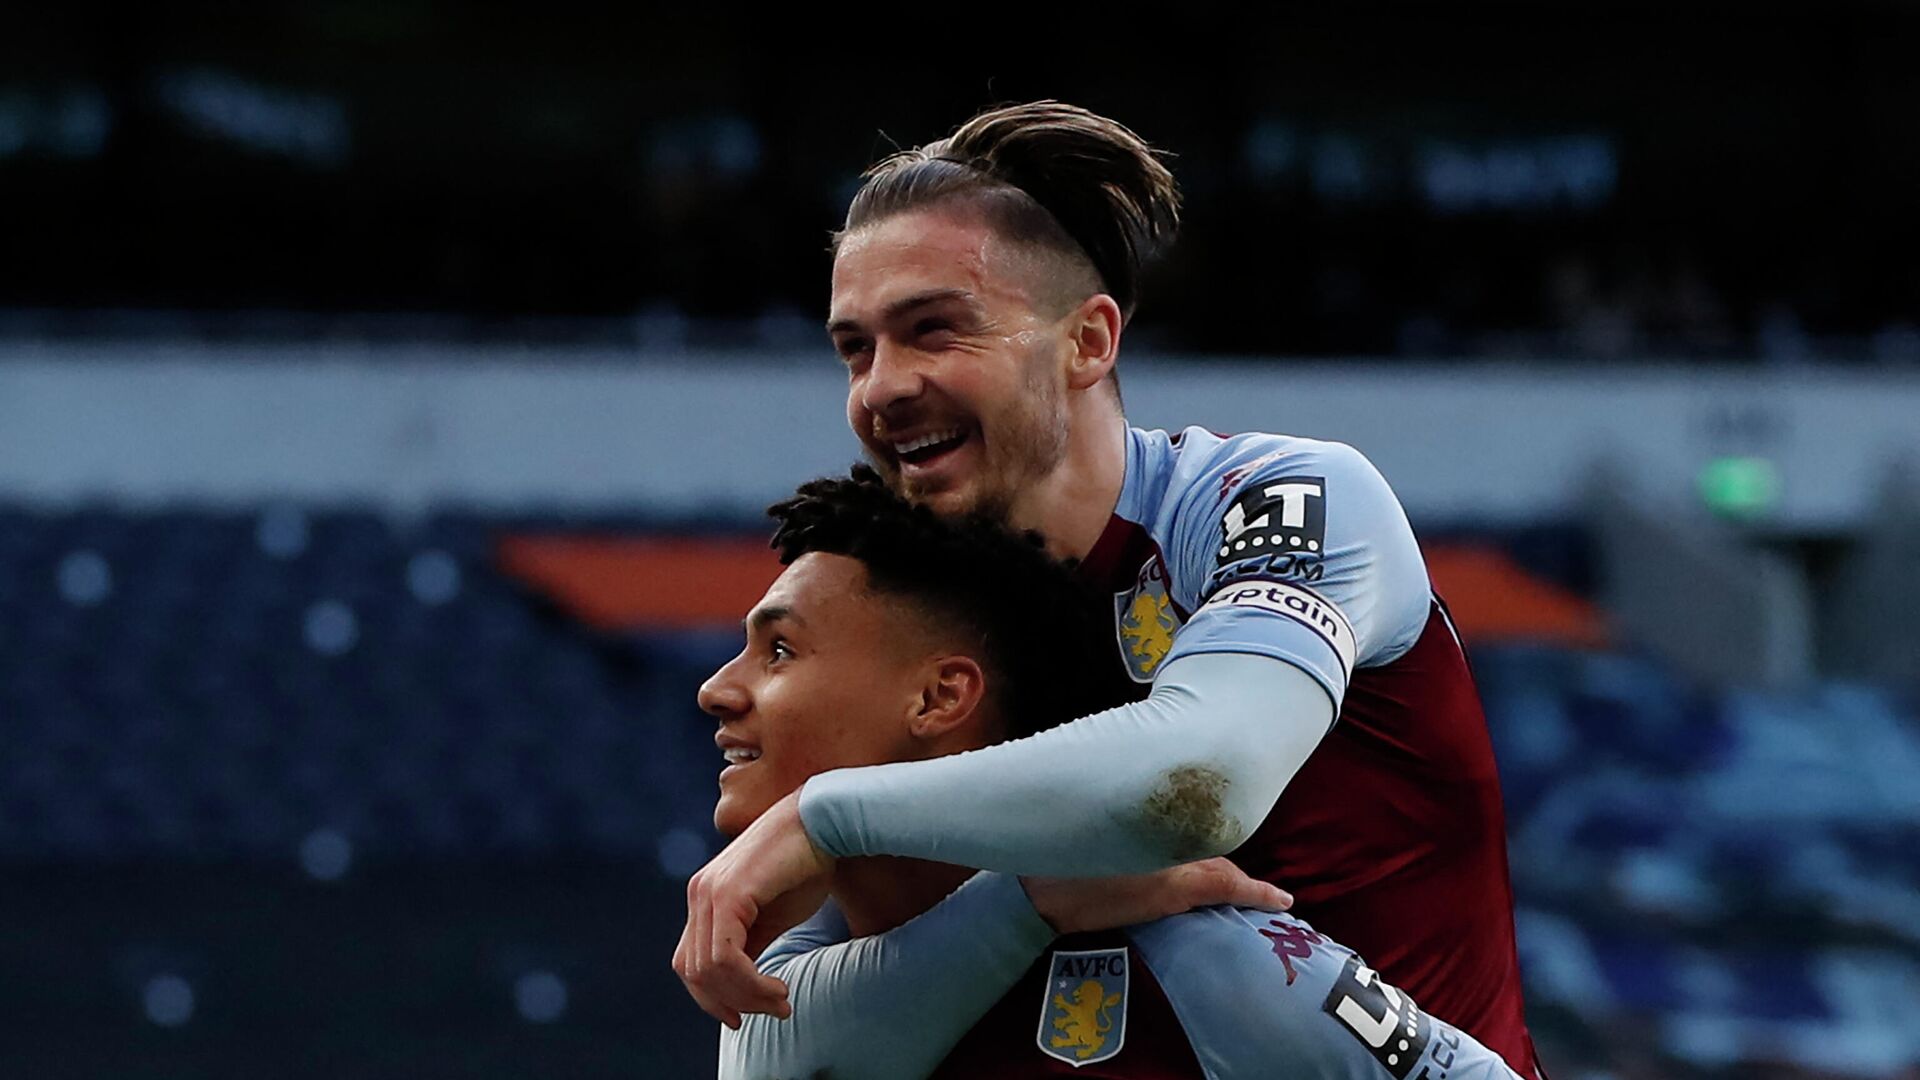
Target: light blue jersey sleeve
<point x="1297" y="550"/>
<point x="889" y="1006"/>
<point x="1185" y="774"/>
<point x="1263" y="995"/>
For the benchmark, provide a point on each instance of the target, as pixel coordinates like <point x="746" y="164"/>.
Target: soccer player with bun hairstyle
<point x="1304" y="704"/>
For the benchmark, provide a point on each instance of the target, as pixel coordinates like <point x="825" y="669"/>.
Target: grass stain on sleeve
<point x="1187" y="808"/>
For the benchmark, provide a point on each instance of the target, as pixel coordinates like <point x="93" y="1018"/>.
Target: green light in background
<point x="1740" y="486"/>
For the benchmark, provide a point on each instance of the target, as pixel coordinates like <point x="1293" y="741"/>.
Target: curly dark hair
<point x="1039" y="630"/>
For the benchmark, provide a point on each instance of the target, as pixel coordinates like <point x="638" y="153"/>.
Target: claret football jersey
<point x="1392" y="837"/>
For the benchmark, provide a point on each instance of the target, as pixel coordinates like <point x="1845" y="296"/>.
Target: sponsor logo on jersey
<point x="1279" y="566"/>
<point x="1302" y="605"/>
<point x="1386" y="1021"/>
<point x="1291" y="941"/>
<point x="1273" y="516"/>
<point x="1144" y="620"/>
<point x="1083" y="1018"/>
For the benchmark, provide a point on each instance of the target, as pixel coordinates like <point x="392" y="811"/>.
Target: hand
<point x="1073" y="905"/>
<point x="737" y="904"/>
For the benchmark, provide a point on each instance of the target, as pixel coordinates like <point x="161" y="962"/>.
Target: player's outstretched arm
<point x="1186" y="774"/>
<point x="893" y="1005"/>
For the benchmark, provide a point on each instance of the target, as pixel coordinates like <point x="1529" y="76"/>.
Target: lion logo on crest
<point x="1147" y="629"/>
<point x="1084" y="1021"/>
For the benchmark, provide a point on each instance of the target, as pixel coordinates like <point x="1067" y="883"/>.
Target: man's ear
<point x="951" y="696"/>
<point x="1095" y="337"/>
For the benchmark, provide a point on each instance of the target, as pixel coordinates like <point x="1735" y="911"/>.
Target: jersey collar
<point x="1119" y="537"/>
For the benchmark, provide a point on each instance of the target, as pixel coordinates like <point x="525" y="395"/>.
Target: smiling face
<point x="833" y="675"/>
<point x="958" y="346"/>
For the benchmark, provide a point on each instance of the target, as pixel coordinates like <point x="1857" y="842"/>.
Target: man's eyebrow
<point x="903" y="305"/>
<point x="762" y="617"/>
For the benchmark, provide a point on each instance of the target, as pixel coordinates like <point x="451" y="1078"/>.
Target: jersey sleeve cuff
<point x="836" y="808"/>
<point x="821" y="819"/>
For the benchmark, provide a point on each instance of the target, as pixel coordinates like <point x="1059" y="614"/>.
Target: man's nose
<point x="893" y="377"/>
<point x="722" y="696"/>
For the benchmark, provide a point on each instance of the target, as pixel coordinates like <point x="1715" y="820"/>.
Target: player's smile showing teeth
<point x="923" y="449"/>
<point x="738" y="755"/>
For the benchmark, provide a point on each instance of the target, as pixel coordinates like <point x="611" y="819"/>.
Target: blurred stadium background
<point x="389" y="391"/>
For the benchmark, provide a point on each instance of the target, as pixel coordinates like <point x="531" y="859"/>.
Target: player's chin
<point x="736" y="811"/>
<point x="951" y="488"/>
<point x="728" y="821"/>
<point x="947" y="500"/>
<point x="957" y="489"/>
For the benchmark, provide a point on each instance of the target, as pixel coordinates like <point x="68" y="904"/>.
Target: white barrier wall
<point x="726" y="433"/>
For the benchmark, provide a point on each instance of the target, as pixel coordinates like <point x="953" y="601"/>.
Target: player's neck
<point x="879" y="892"/>
<point x="1071" y="506"/>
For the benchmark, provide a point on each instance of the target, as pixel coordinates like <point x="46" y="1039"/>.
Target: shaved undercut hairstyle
<point x="1047" y="174"/>
<point x="1023" y="615"/>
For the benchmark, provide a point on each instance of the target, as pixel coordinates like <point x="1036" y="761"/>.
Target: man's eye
<point x="781" y="650"/>
<point x="927" y="327"/>
<point x="850" y="348"/>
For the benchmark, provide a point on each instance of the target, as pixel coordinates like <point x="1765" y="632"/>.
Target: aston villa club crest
<point x="1083" y="1018"/>
<point x="1144" y="621"/>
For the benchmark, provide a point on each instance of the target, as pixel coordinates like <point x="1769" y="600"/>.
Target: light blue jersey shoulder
<point x="1270" y="544"/>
